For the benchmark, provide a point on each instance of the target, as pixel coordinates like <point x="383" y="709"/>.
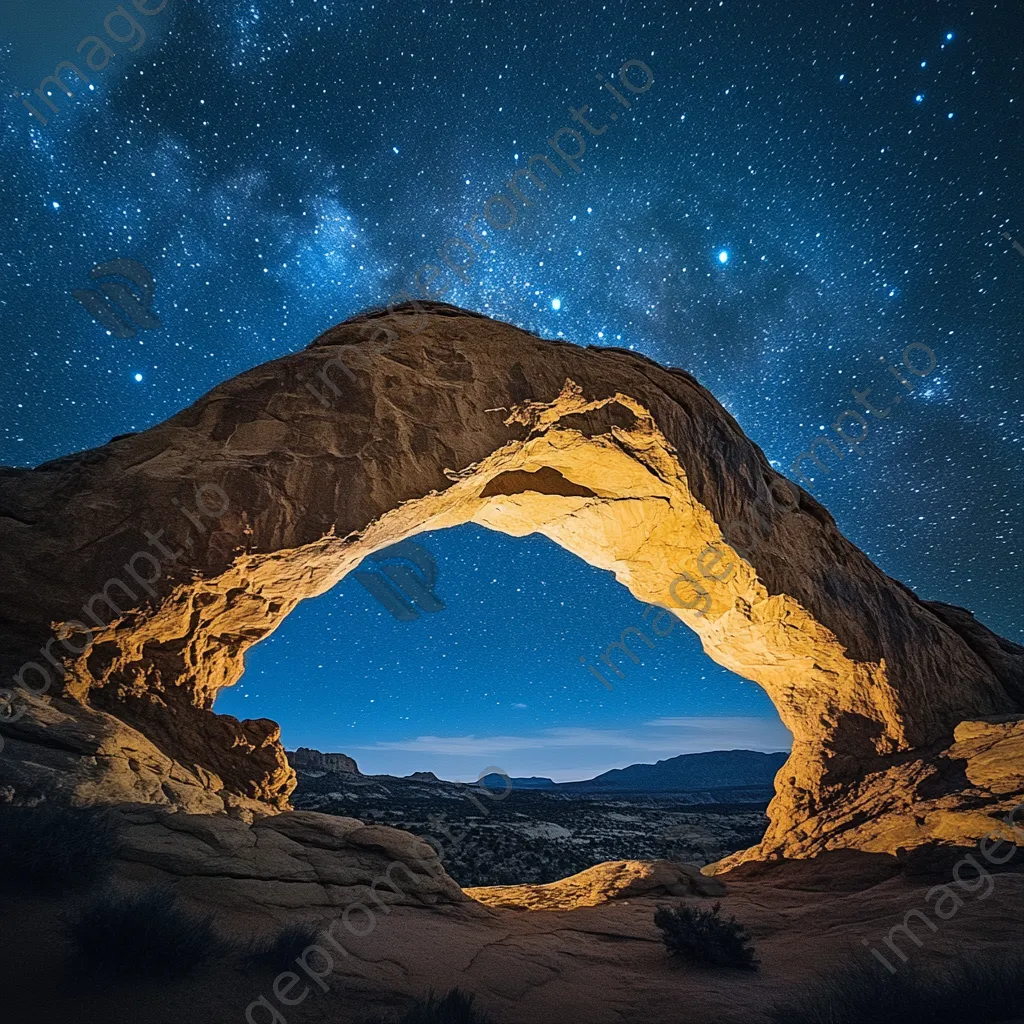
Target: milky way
<point x="803" y="194"/>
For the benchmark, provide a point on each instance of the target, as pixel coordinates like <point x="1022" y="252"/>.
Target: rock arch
<point x="134" y="576"/>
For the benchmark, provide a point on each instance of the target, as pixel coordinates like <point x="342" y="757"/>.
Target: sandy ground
<point x="592" y="965"/>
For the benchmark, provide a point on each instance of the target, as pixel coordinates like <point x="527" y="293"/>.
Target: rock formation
<point x="317" y="761"/>
<point x="295" y="861"/>
<point x="611" y="880"/>
<point x="133" y="577"/>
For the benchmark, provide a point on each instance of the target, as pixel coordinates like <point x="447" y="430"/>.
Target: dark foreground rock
<point x="601" y="964"/>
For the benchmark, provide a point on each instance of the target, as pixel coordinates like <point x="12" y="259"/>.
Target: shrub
<point x="703" y="937"/>
<point x="280" y="951"/>
<point x="454" y="1008"/>
<point x="969" y="990"/>
<point x="47" y="848"/>
<point x="146" y="933"/>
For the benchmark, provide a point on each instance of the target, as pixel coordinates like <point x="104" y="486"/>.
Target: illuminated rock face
<point x="207" y="530"/>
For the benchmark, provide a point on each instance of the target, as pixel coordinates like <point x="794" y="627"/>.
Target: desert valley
<point x="539" y="831"/>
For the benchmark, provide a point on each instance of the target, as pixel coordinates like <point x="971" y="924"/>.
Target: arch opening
<point x="493" y="680"/>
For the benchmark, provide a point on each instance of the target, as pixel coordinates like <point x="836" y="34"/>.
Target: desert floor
<point x="592" y="965"/>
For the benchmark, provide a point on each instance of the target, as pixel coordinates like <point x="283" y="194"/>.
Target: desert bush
<point x="145" y="933"/>
<point x="969" y="990"/>
<point x="456" y="1007"/>
<point x="47" y="848"/>
<point x="279" y="952"/>
<point x="702" y="936"/>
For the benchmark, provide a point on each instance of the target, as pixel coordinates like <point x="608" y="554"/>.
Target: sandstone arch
<point x="306" y="464"/>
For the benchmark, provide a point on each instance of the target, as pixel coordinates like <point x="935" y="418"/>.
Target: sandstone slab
<point x="297" y="861"/>
<point x="611" y="880"/>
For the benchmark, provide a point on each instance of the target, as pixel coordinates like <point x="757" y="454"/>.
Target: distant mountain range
<point x="712" y="769"/>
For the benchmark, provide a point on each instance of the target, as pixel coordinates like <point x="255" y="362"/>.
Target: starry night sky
<point x="804" y="190"/>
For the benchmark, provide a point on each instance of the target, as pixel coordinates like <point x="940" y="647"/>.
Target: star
<point x="261" y="202"/>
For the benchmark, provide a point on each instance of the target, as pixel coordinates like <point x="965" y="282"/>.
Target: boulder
<point x="289" y="865"/>
<point x="611" y="880"/>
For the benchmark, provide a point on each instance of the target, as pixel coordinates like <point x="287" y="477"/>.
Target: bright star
<point x="556" y="304"/>
<point x="138" y="376"/>
<point x="949" y="37"/>
<point x="723" y="257"/>
<point x="919" y="98"/>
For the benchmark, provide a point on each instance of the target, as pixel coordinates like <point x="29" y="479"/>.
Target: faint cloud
<point x="718" y="733"/>
<point x="662" y="737"/>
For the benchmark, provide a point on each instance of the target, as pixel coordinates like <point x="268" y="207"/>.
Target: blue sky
<point x="281" y="165"/>
<point x="494" y="678"/>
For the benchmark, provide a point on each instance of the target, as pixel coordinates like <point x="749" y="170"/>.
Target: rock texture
<point x="612" y="880"/>
<point x="134" y="577"/>
<point x="65" y="751"/>
<point x="298" y="861"/>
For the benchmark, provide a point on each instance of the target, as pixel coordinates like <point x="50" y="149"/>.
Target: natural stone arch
<point x="273" y="486"/>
